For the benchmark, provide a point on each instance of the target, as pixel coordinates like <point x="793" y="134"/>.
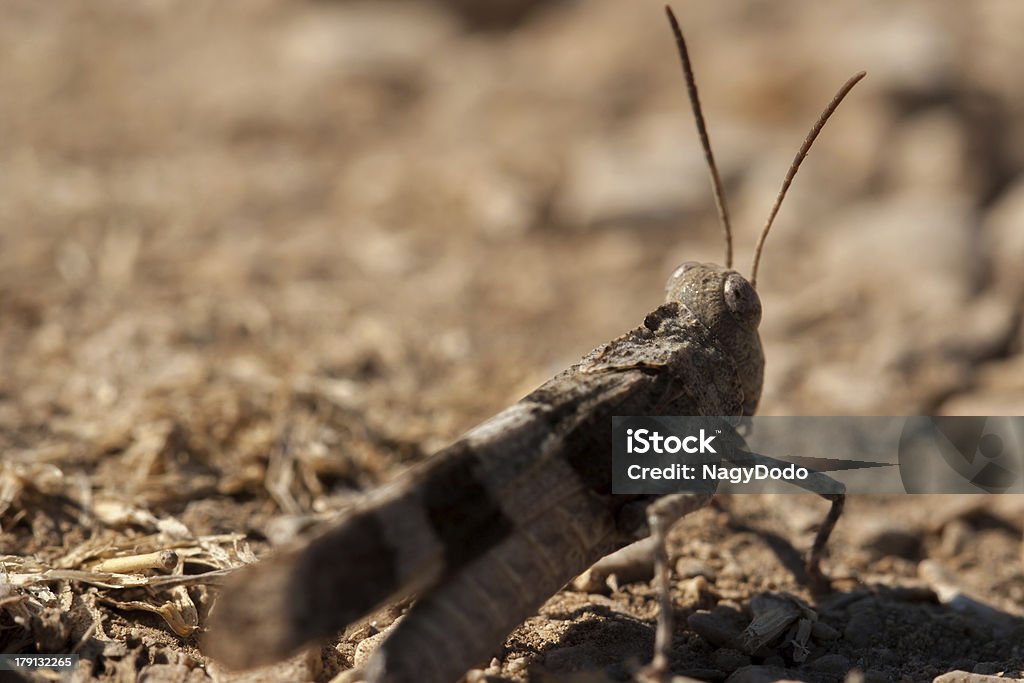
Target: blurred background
<point x="344" y="232"/>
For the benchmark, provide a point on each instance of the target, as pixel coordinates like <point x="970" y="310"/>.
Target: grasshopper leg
<point x="661" y="515"/>
<point x="814" y="572"/>
<point x="829" y="489"/>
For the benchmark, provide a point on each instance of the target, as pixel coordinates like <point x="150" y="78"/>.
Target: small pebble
<point x="822" y="631"/>
<point x="733" y="571"/>
<point x="834" y="664"/>
<point x="697" y="591"/>
<point x="955" y="536"/>
<point x="517" y="665"/>
<point x="688" y="568"/>
<point x="712" y="629"/>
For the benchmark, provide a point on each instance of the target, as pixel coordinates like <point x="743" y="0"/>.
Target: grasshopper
<point x="490" y="527"/>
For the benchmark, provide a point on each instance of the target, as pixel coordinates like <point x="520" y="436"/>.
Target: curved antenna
<point x="800" y="156"/>
<point x="702" y="131"/>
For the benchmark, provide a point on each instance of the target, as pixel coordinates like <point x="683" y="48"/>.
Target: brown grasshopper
<point x="490" y="527"/>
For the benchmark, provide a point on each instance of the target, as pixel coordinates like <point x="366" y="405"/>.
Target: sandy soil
<point x="257" y="258"/>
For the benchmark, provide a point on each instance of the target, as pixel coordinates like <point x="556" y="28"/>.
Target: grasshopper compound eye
<point x="742" y="299"/>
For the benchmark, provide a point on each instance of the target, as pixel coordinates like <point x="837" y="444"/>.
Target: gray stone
<point x="967" y="677"/>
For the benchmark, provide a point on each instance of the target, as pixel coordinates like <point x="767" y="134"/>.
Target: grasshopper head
<point x="725" y="303"/>
<point x="721" y="299"/>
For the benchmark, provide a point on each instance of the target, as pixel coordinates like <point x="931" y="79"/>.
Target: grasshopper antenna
<point x="800" y="156"/>
<point x="702" y="131"/>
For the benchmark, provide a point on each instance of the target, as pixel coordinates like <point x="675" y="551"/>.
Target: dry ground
<point x="257" y="257"/>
